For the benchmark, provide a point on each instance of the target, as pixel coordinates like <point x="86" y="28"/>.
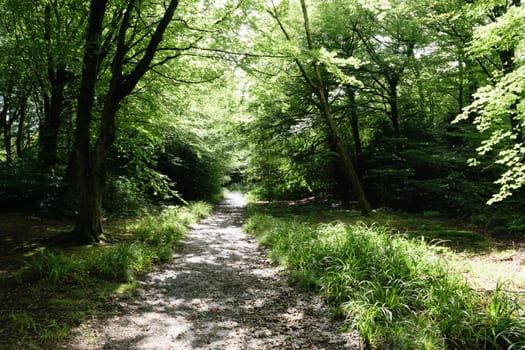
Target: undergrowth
<point x="397" y="292"/>
<point x="149" y="241"/>
<point x="102" y="269"/>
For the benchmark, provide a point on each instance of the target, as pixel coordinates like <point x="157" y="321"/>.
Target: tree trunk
<point x="88" y="227"/>
<point x="393" y="102"/>
<point x="324" y="106"/>
<point x="5" y="126"/>
<point x="53" y="104"/>
<point x="354" y="123"/>
<point x="91" y="163"/>
<point x="21" y="125"/>
<point x="7" y="143"/>
<point x="53" y="107"/>
<point x="344" y="156"/>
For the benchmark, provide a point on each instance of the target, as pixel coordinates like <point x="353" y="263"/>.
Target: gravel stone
<point x="219" y="292"/>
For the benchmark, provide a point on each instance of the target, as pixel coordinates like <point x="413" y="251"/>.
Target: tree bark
<point x="21" y="126"/>
<point x="53" y="107"/>
<point x="354" y="123"/>
<point x="88" y="227"/>
<point x="7" y="143"/>
<point x="393" y="83"/>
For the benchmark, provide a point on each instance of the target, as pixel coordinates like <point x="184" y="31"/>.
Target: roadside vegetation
<point x="397" y="287"/>
<point x="57" y="287"/>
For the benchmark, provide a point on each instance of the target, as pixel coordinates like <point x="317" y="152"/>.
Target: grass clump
<point x="396" y="292"/>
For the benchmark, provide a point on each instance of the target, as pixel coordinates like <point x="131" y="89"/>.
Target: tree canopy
<point x="412" y="105"/>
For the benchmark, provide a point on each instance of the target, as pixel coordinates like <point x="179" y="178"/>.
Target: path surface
<point x="218" y="293"/>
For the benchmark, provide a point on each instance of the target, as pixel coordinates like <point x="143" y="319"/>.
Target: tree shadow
<point x="219" y="293"/>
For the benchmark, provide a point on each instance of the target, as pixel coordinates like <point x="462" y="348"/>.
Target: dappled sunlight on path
<point x="218" y="293"/>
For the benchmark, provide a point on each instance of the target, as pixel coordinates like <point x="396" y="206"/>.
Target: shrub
<point x="25" y="186"/>
<point x="198" y="173"/>
<point x="123" y="197"/>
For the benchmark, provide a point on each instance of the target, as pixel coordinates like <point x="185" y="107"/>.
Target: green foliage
<point x="153" y="240"/>
<point x="198" y="210"/>
<point x="119" y="263"/>
<point x="497" y="108"/>
<point x="25" y="186"/>
<point x="58" y="276"/>
<point x="123" y="197"/>
<point x="195" y="171"/>
<point x="416" y="181"/>
<point x="58" y="267"/>
<point x="396" y="292"/>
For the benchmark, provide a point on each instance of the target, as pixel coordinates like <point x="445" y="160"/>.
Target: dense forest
<point x="386" y="110"/>
<point x="409" y="105"/>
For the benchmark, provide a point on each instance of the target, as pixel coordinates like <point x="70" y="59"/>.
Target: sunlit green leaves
<point x="507" y="32"/>
<point x="498" y="109"/>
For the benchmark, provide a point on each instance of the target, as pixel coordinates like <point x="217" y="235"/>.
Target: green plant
<point x="57" y="267"/>
<point x="23" y="321"/>
<point x="124" y="197"/>
<point x="53" y="332"/>
<point x="200" y="209"/>
<point x="396" y="292"/>
<point x="120" y="263"/>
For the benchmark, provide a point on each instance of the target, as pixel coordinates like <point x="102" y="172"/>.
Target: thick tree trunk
<point x="88" y="227"/>
<point x="91" y="162"/>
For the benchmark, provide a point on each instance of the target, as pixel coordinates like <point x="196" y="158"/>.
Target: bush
<point x="197" y="173"/>
<point x="123" y="197"/>
<point x="153" y="239"/>
<point x="56" y="267"/>
<point x="24" y="186"/>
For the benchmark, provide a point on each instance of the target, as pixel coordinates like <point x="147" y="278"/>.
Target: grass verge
<point x="61" y="286"/>
<point x="397" y="292"/>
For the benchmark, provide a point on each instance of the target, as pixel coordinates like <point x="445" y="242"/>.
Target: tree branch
<point x="184" y="81"/>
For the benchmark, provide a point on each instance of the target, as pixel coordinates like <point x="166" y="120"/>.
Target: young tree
<point x="311" y="71"/>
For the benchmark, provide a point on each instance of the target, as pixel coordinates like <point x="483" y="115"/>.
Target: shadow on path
<point x="218" y="293"/>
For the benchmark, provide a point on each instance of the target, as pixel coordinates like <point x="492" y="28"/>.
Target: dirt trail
<point x="218" y="293"/>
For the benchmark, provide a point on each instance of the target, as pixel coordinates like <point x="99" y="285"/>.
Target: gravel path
<point x="218" y="293"/>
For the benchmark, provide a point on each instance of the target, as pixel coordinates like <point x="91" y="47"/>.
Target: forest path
<point x="218" y="293"/>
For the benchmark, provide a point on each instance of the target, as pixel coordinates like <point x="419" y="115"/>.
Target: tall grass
<point x="396" y="292"/>
<point x="150" y="240"/>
